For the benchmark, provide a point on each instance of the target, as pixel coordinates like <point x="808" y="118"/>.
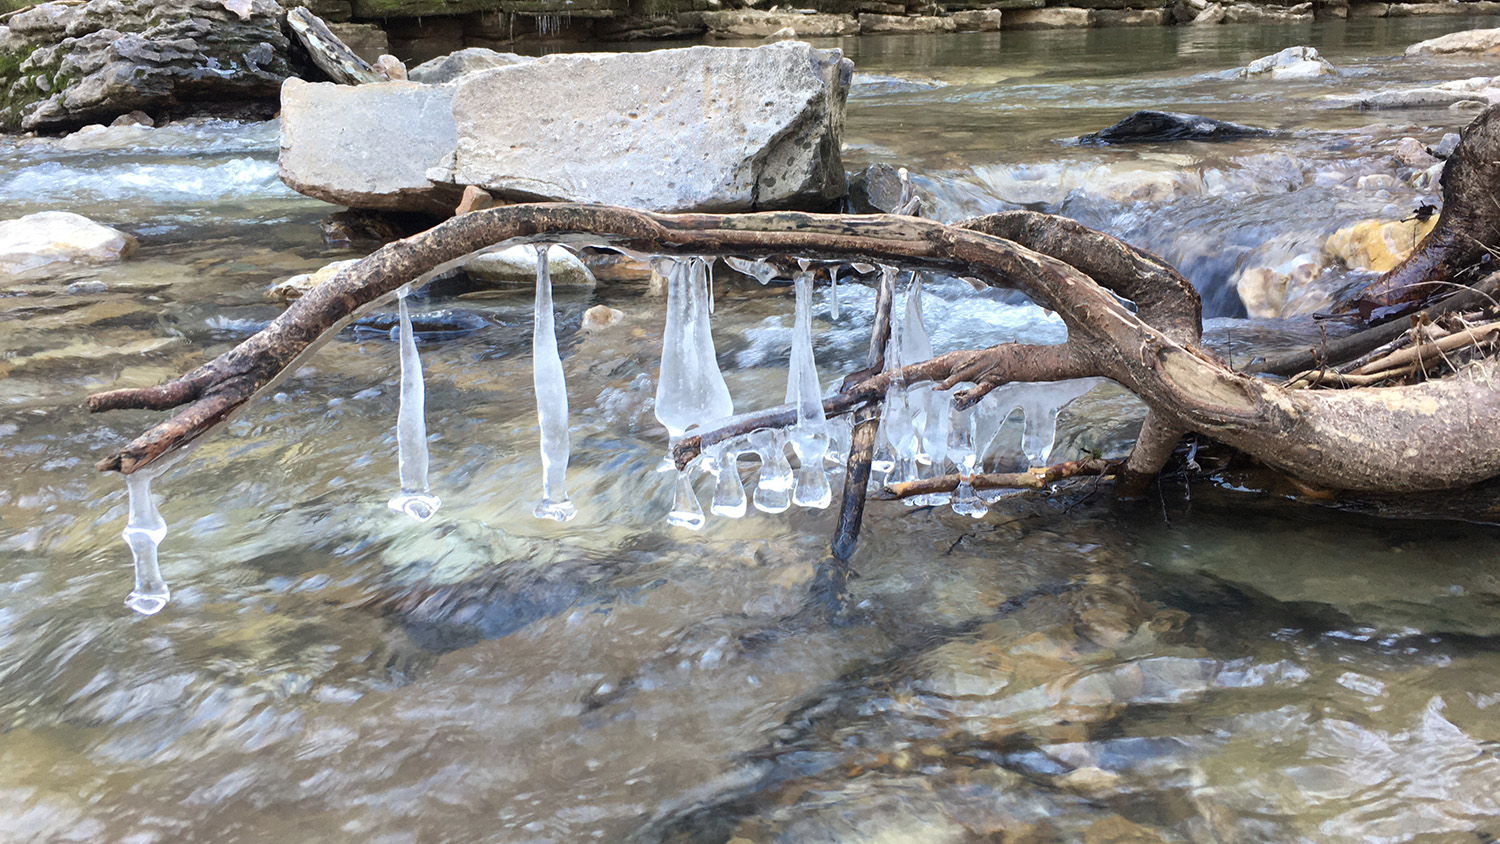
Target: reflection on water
<point x="1210" y="665"/>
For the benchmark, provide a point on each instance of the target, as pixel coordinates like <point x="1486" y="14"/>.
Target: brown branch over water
<point x="1030" y="479"/>
<point x="1354" y="439"/>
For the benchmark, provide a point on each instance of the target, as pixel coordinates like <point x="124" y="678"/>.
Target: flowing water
<point x="1215" y="664"/>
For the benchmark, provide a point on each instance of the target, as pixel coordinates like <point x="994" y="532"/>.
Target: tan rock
<point x="1376" y="245"/>
<point x="298" y="286"/>
<point x="870" y="24"/>
<point x="1413" y="153"/>
<point x="1047" y="19"/>
<point x="55" y="239"/>
<point x="1472" y="41"/>
<point x="600" y="317"/>
<point x="750" y="23"/>
<point x="1279" y="290"/>
<point x="517" y="265"/>
<point x="978" y="20"/>
<point x="1212" y="15"/>
<point x="1129" y="17"/>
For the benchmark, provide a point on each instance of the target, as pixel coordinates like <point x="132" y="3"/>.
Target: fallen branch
<point x="1030" y="479"/>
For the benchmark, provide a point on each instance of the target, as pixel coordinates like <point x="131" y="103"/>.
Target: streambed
<point x="1217" y="664"/>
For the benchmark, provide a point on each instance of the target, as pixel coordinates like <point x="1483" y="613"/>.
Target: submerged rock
<point x="1158" y="126"/>
<point x="1485" y="41"/>
<point x="63" y="66"/>
<point x="1289" y="64"/>
<point x="766" y="131"/>
<point x="1377" y="245"/>
<point x="52" y="239"/>
<point x="1480" y="91"/>
<point x="298" y="286"/>
<point x="517" y="266"/>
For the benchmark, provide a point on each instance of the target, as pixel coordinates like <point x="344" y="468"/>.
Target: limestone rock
<point x="298" y="286"/>
<point x="1047" y="19"/>
<point x="1485" y="41"/>
<point x="336" y="143"/>
<point x="367" y="40"/>
<point x="71" y="65"/>
<point x="871" y="24"/>
<point x="1483" y="90"/>
<point x="452" y="66"/>
<point x="750" y="23"/>
<point x="1209" y="16"/>
<point x="1251" y="13"/>
<point x="1291" y="63"/>
<point x="517" y="265"/>
<point x="1129" y="17"/>
<point x="1413" y="153"/>
<point x="1442" y="9"/>
<point x="53" y="239"/>
<point x="977" y="20"/>
<point x="1377" y="245"/>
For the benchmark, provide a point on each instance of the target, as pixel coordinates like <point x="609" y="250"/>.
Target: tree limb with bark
<point x="1423" y="433"/>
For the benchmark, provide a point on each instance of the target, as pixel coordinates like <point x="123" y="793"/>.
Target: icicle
<point x="144" y="530"/>
<point x="773" y="488"/>
<point x="711" y="262"/>
<point x="415" y="499"/>
<point x="1041" y="403"/>
<point x="963" y="451"/>
<point x="690" y="389"/>
<point x="729" y="492"/>
<point x="810" y="435"/>
<point x="761" y="270"/>
<point x="686" y="511"/>
<point x="915" y="347"/>
<point x="551" y="400"/>
<point x="833" y="304"/>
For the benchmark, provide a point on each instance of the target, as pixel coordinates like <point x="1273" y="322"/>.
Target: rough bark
<point x="1430" y="436"/>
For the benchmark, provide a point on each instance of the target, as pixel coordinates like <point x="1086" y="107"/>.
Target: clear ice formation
<point x="833" y="283"/>
<point x="729" y="492"/>
<point x="773" y="487"/>
<point x="551" y="400"/>
<point x="144" y="530"/>
<point x="415" y="499"/>
<point x="690" y="389"/>
<point x="1041" y="403"/>
<point x="761" y="270"/>
<point x="686" y="511"/>
<point x="809" y="436"/>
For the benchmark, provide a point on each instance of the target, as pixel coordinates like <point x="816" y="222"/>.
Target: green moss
<point x="18" y="88"/>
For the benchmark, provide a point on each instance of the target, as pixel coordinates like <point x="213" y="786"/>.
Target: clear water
<point x="1215" y="664"/>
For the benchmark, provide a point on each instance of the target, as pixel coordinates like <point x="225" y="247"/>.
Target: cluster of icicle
<point x="920" y="433"/>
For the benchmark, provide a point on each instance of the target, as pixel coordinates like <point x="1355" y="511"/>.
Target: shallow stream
<point x="1214" y="664"/>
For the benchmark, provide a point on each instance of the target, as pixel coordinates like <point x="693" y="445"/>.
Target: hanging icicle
<point x="809" y="436"/>
<point x="551" y="400"/>
<point x="144" y="530"/>
<point x="833" y="284"/>
<point x="415" y="499"/>
<point x="690" y="388"/>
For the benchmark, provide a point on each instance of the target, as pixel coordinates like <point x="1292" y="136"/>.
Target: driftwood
<point x="1433" y="435"/>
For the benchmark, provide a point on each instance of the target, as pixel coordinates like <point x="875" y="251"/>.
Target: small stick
<point x="1030" y="479"/>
